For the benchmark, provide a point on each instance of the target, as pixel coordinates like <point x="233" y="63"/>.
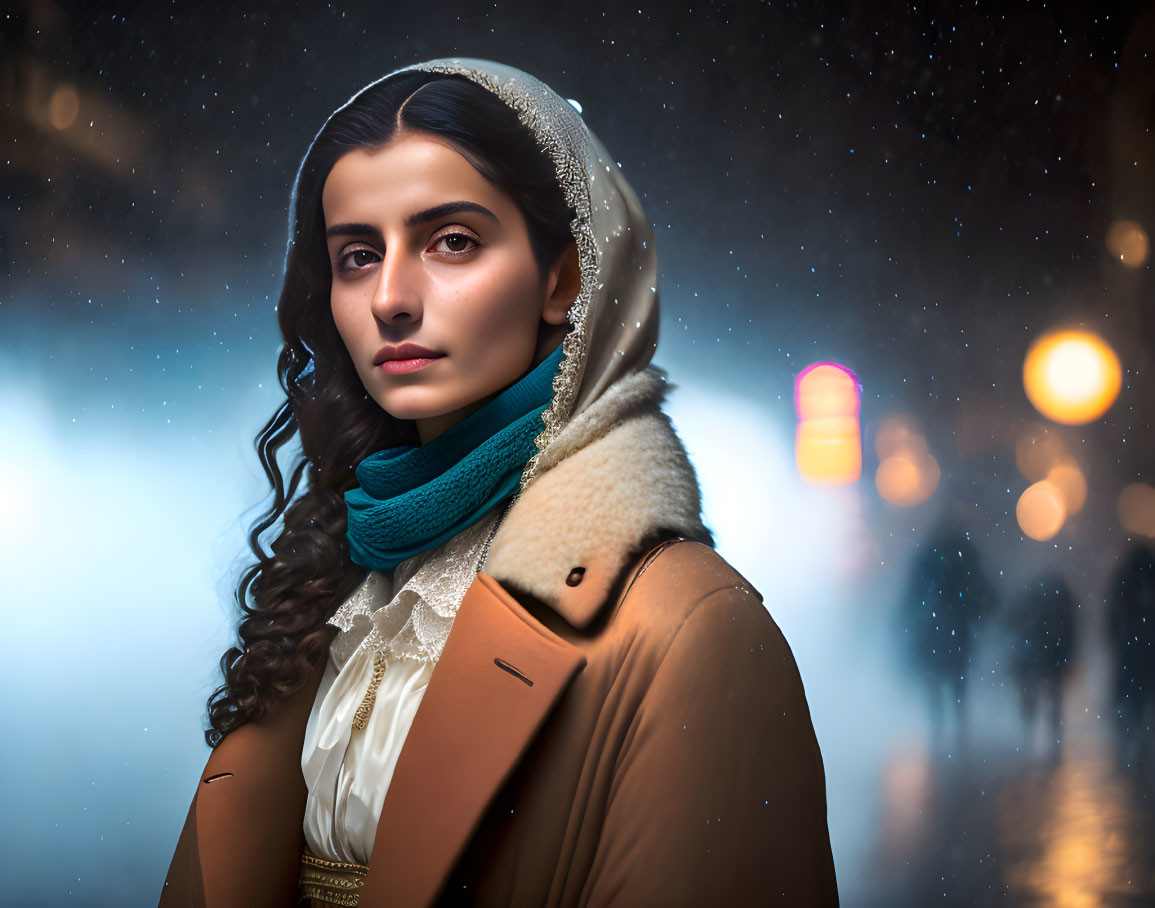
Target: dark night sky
<point x="915" y="191"/>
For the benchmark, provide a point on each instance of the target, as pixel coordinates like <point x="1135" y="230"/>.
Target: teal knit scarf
<point x="412" y="498"/>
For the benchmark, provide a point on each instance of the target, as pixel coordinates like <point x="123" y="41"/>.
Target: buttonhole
<point x="217" y="777"/>
<point x="501" y="663"/>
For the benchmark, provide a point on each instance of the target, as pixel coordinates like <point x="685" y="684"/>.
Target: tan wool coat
<point x="639" y="737"/>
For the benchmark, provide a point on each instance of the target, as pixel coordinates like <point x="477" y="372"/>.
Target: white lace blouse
<point x="395" y="624"/>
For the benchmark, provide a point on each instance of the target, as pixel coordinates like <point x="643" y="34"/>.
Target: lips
<point x="404" y="352"/>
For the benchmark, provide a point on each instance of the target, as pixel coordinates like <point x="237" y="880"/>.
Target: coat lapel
<point x="500" y="674"/>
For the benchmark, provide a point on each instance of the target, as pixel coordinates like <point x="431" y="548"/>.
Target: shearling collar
<point x="614" y="475"/>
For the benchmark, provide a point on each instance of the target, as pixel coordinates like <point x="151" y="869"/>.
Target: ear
<point x="562" y="285"/>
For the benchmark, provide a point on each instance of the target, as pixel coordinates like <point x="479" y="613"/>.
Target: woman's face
<point x="425" y="251"/>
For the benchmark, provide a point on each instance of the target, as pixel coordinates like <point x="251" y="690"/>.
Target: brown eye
<point x="355" y="260"/>
<point x="456" y="243"/>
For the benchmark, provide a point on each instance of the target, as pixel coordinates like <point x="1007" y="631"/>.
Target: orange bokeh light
<point x="907" y="780"/>
<point x="1072" y="377"/>
<point x="896" y="435"/>
<point x="1041" y="511"/>
<point x="828" y="446"/>
<point x="1127" y="241"/>
<point x="825" y="391"/>
<point x="1038" y="449"/>
<point x="63" y="106"/>
<point x="828" y="451"/>
<point x="904" y="482"/>
<point x="1069" y="480"/>
<point x="1137" y="509"/>
<point x="907" y="474"/>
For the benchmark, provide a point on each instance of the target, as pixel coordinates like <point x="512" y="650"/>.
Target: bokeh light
<point x="907" y="473"/>
<point x="1072" y="377"/>
<point x="1127" y="241"/>
<point x="1041" y="510"/>
<point x="1084" y="848"/>
<point x="826" y="391"/>
<point x="1069" y="480"/>
<point x="828" y="446"/>
<point x="1137" y="509"/>
<point x="63" y="106"/>
<point x="907" y="783"/>
<point x="1037" y="449"/>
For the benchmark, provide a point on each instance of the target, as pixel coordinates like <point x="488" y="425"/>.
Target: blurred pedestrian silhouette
<point x="941" y="619"/>
<point x="1042" y="628"/>
<point x="1131" y="629"/>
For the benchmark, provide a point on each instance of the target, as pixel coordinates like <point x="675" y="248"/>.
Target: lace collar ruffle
<point x="414" y="622"/>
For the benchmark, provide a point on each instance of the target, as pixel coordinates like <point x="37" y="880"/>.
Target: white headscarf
<point x="615" y="316"/>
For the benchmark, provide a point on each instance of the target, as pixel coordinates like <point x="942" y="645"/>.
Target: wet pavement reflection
<point x="1037" y="790"/>
<point x="963" y="830"/>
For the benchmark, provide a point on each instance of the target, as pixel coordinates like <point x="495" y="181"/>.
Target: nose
<point x="397" y="297"/>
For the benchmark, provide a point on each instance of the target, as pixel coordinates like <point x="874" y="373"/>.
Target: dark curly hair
<point x="286" y="597"/>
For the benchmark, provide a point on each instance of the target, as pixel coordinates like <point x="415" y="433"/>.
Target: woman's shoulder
<point x="694" y="569"/>
<point x="683" y="578"/>
<point x="702" y="630"/>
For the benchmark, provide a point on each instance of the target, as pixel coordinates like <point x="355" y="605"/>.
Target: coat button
<point x="575" y="576"/>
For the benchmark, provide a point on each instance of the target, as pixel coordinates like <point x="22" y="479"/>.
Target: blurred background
<point x="906" y="286"/>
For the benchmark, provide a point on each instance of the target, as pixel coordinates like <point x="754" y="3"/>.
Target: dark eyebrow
<point x="420" y="217"/>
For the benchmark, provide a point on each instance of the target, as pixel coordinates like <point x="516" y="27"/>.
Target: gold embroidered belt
<point x="329" y="884"/>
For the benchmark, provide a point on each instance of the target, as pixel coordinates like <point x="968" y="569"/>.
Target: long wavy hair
<point x="286" y="597"/>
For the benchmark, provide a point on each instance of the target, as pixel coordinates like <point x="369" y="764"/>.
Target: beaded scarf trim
<point x="540" y="109"/>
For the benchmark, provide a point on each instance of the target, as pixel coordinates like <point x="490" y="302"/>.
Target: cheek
<point x="502" y="307"/>
<point x="342" y="317"/>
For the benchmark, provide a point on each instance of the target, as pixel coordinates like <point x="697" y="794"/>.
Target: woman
<point x="494" y="657"/>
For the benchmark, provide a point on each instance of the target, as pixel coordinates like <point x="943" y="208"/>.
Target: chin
<point x="404" y="406"/>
